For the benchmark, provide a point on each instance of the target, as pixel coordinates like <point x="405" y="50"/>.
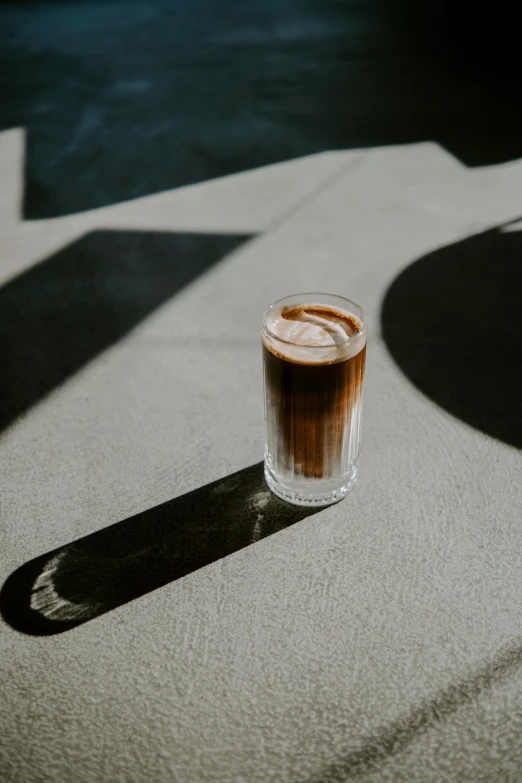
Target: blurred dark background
<point x="129" y="97"/>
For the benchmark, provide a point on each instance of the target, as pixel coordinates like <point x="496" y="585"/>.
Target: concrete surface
<point x="377" y="640"/>
<point x="124" y="98"/>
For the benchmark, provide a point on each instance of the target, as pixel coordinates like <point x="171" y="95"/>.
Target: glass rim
<point x="350" y="340"/>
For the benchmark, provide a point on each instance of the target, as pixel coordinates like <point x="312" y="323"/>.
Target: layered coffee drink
<point x="314" y="350"/>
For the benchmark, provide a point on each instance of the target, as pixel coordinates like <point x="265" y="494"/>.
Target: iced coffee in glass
<point x="314" y="350"/>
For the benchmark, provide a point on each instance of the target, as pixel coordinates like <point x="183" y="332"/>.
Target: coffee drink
<point x="314" y="356"/>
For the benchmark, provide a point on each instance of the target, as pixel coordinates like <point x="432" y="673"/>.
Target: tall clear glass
<point x="314" y="350"/>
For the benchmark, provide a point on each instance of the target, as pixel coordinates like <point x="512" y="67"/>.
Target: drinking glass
<point x="313" y="404"/>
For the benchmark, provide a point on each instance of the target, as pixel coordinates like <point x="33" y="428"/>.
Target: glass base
<point x="311" y="493"/>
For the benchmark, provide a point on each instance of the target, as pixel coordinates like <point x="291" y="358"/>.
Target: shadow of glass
<point x="61" y="313"/>
<point x="88" y="577"/>
<point x="453" y="323"/>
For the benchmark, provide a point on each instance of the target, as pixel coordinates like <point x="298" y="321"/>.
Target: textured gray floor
<point x="376" y="640"/>
<point x="125" y="98"/>
<point x="163" y="617"/>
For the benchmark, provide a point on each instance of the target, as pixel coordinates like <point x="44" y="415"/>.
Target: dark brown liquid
<point x="312" y="410"/>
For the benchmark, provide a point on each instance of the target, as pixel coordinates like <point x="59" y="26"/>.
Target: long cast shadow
<point x="396" y="738"/>
<point x="93" y="575"/>
<point x="452" y="321"/>
<point x="61" y="313"/>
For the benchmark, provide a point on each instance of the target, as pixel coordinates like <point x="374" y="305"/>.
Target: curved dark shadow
<point x="61" y="313"/>
<point x="93" y="575"/>
<point x="452" y="321"/>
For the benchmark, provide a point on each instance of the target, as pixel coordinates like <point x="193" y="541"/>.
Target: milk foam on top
<point x="314" y="333"/>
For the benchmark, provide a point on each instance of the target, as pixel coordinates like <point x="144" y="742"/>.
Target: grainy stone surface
<point x="163" y="617"/>
<point x="377" y="640"/>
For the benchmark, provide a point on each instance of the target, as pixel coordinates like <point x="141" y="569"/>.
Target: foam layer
<point x="313" y="333"/>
